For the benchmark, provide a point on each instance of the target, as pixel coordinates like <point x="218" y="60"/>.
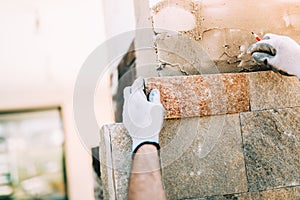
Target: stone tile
<point x="121" y="159"/>
<point x="200" y="156"/>
<point x="205" y="95"/>
<point x="107" y="177"/>
<point x="271" y="148"/>
<point x="237" y="92"/>
<point x="115" y="159"/>
<point x="291" y="193"/>
<point x="270" y="90"/>
<point x="203" y="157"/>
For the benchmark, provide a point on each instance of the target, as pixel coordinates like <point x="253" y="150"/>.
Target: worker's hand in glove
<point x="143" y="119"/>
<point x="280" y="52"/>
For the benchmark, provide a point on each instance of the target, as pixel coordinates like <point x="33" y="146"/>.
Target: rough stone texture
<point x="203" y="95"/>
<point x="271" y="148"/>
<point x="213" y="163"/>
<point x="190" y="149"/>
<point x="107" y="176"/>
<point x="271" y="90"/>
<point x="121" y="159"/>
<point x="115" y="159"/>
<point x="204" y="156"/>
<point x="292" y="193"/>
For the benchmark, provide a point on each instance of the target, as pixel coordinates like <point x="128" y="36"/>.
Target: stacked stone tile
<point x="226" y="136"/>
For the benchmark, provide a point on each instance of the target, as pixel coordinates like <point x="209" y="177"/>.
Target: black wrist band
<point x="146" y="142"/>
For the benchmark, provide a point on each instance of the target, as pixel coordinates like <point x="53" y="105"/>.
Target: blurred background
<point x="43" y="44"/>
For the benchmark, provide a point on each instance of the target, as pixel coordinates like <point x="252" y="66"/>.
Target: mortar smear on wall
<point x="223" y="27"/>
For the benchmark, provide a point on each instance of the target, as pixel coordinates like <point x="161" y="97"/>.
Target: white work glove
<point x="280" y="52"/>
<point x="143" y="119"/>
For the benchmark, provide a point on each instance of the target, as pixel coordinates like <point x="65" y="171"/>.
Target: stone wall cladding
<point x="204" y="172"/>
<point x="193" y="173"/>
<point x="206" y="95"/>
<point x="271" y="90"/>
<point x="292" y="193"/>
<point x="253" y="155"/>
<point x="105" y="155"/>
<point x="271" y="148"/>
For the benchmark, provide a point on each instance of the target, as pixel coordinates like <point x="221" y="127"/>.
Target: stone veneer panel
<point x="214" y="94"/>
<point x="271" y="90"/>
<point x="291" y="193"/>
<point x="197" y="160"/>
<point x="205" y="95"/>
<point x="200" y="157"/>
<point x="105" y="156"/>
<point x="271" y="148"/>
<point x="115" y="160"/>
<point x="121" y="158"/>
<point x="213" y="164"/>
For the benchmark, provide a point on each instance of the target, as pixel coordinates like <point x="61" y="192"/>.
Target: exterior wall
<point x="245" y="147"/>
<point x="222" y="28"/>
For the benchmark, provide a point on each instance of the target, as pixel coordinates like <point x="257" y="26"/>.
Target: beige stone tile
<point x="271" y="90"/>
<point x="291" y="193"/>
<point x="205" y="95"/>
<point x="237" y="92"/>
<point x="271" y="148"/>
<point x="107" y="176"/>
<point x="121" y="159"/>
<point x="200" y="156"/>
<point x="209" y="157"/>
<point x="115" y="159"/>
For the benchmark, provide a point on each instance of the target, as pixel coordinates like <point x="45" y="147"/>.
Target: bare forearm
<point x="145" y="180"/>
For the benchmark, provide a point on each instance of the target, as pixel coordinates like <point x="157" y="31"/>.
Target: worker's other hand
<point x="280" y="52"/>
<point x="142" y="118"/>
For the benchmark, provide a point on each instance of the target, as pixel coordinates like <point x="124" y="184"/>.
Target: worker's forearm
<point x="145" y="180"/>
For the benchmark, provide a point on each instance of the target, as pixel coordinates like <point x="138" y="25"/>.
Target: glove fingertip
<point x="126" y="92"/>
<point x="154" y="96"/>
<point x="138" y="84"/>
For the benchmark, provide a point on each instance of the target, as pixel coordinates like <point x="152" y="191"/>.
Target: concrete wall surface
<point x="221" y="28"/>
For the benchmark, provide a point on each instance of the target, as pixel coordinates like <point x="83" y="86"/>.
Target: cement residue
<point x="222" y="28"/>
<point x="180" y="20"/>
<point x="186" y="54"/>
